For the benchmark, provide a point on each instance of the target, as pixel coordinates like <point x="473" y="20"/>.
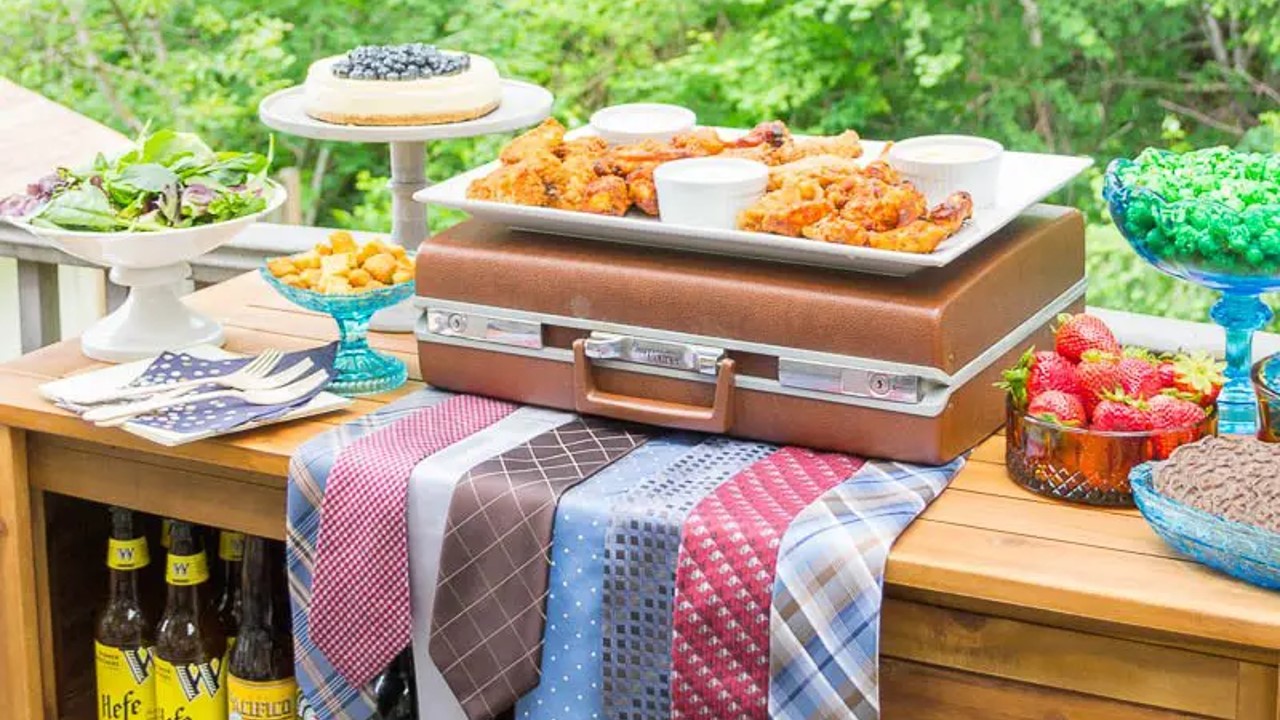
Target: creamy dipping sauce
<point x="949" y="152"/>
<point x="639" y="121"/>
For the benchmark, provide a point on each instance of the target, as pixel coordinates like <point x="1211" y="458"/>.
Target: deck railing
<point x="38" y="292"/>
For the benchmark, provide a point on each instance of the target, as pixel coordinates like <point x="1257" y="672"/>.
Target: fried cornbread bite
<point x="342" y="266"/>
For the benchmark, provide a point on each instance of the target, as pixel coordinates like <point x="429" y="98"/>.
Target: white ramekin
<point x="942" y="164"/>
<point x="632" y="123"/>
<point x="708" y="191"/>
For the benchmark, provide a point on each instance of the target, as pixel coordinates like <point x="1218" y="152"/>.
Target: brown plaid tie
<point x="487" y="627"/>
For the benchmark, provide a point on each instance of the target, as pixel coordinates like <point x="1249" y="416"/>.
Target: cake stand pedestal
<point x="523" y="104"/>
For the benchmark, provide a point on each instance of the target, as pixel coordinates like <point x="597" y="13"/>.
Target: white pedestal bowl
<point x="152" y="265"/>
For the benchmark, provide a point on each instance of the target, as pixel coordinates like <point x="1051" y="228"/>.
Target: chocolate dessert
<point x="1234" y="478"/>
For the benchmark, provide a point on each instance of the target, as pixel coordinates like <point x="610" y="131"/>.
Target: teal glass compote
<point x="1232" y="248"/>
<point x="361" y="370"/>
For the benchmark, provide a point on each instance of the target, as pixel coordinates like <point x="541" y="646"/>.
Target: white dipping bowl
<point x="632" y="123"/>
<point x="708" y="191"/>
<point x="942" y="164"/>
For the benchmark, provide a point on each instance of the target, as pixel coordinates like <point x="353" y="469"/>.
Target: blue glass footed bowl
<point x="1239" y="550"/>
<point x="1233" y="251"/>
<point x="361" y="370"/>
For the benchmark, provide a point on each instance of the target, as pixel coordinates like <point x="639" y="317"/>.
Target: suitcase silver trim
<point x="934" y="387"/>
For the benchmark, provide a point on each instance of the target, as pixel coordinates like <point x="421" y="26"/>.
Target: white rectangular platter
<point x="1025" y="179"/>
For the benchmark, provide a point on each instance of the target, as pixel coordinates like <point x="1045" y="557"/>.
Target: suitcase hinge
<point x="503" y="331"/>
<point x="661" y="353"/>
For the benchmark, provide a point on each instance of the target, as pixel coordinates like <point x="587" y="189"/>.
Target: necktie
<point x="360" y="612"/>
<point x="724" y="582"/>
<point x="569" y="688"/>
<point x="641" y="550"/>
<point x="489" y="616"/>
<point x="825" y="621"/>
<point x="327" y="693"/>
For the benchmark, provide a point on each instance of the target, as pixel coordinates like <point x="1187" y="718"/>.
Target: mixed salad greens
<point x="168" y="180"/>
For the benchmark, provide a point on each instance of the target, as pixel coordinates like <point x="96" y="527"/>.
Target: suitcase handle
<point x="587" y="398"/>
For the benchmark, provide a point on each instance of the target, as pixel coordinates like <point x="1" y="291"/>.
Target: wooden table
<point x="1001" y="604"/>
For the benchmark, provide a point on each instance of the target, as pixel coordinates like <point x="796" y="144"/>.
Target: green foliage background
<point x="1098" y="77"/>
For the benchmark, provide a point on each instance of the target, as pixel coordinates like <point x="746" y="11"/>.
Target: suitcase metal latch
<point x="841" y="380"/>
<point x="474" y="326"/>
<point x="660" y="353"/>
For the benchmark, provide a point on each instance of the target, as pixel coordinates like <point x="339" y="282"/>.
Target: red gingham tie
<point x="360" y="612"/>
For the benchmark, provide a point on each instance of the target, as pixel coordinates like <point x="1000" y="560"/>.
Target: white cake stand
<point x="523" y="104"/>
<point x="151" y="264"/>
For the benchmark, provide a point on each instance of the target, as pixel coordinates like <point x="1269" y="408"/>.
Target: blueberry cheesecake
<point x="410" y="84"/>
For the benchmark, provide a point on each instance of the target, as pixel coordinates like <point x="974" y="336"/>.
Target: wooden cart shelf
<point x="1002" y="604"/>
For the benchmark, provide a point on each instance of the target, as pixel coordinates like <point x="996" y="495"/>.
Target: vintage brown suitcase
<point x="898" y="368"/>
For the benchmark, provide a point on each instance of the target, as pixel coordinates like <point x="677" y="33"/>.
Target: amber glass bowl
<point x="1266" y="384"/>
<point x="1087" y="466"/>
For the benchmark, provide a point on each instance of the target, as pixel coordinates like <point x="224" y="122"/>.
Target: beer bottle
<point x="227" y="607"/>
<point x="394" y="693"/>
<point x="260" y="682"/>
<point x="122" y="635"/>
<point x="191" y="648"/>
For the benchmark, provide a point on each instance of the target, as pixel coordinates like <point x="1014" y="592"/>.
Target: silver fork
<point x="248" y="377"/>
<point x="113" y="416"/>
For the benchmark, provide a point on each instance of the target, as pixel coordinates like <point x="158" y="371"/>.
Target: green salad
<point x="168" y="180"/>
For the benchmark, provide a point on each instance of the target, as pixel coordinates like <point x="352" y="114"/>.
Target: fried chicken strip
<point x="924" y="235"/>
<point x="542" y="140"/>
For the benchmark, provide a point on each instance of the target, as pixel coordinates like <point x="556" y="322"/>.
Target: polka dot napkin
<point x="223" y="414"/>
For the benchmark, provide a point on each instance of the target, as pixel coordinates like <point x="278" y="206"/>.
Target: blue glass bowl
<point x="360" y="369"/>
<point x="1150" y="223"/>
<point x="1239" y="550"/>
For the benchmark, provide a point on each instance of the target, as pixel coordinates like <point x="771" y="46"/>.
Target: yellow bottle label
<point x="191" y="691"/>
<point x="186" y="569"/>
<point x="275" y="700"/>
<point x="231" y="546"/>
<point x="166" y="527"/>
<point x="128" y="554"/>
<point x="126" y="683"/>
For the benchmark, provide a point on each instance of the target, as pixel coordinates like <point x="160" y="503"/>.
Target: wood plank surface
<point x="1041" y="655"/>
<point x="1257" y="699"/>
<point x="215" y="500"/>
<point x="20" y="652"/>
<point x="912" y="691"/>
<point x="37" y="135"/>
<point x="986" y="542"/>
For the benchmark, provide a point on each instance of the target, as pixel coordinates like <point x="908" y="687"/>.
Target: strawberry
<point x="1077" y="334"/>
<point x="1139" y="377"/>
<point x="1119" y="412"/>
<point x="1167" y="373"/>
<point x="1169" y="413"/>
<point x="1060" y="408"/>
<point x="1177" y="419"/>
<point x="1199" y="376"/>
<point x="1098" y="373"/>
<point x="1039" y="372"/>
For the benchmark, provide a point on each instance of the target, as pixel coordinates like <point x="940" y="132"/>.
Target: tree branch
<point x="1035" y="36"/>
<point x="96" y="68"/>
<point x="317" y="183"/>
<point x="1201" y="117"/>
<point x="1213" y="31"/>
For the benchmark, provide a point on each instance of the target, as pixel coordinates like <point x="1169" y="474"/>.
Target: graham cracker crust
<point x="399" y="120"/>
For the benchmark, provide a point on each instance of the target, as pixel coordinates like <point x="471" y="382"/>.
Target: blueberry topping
<point x="399" y="62"/>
